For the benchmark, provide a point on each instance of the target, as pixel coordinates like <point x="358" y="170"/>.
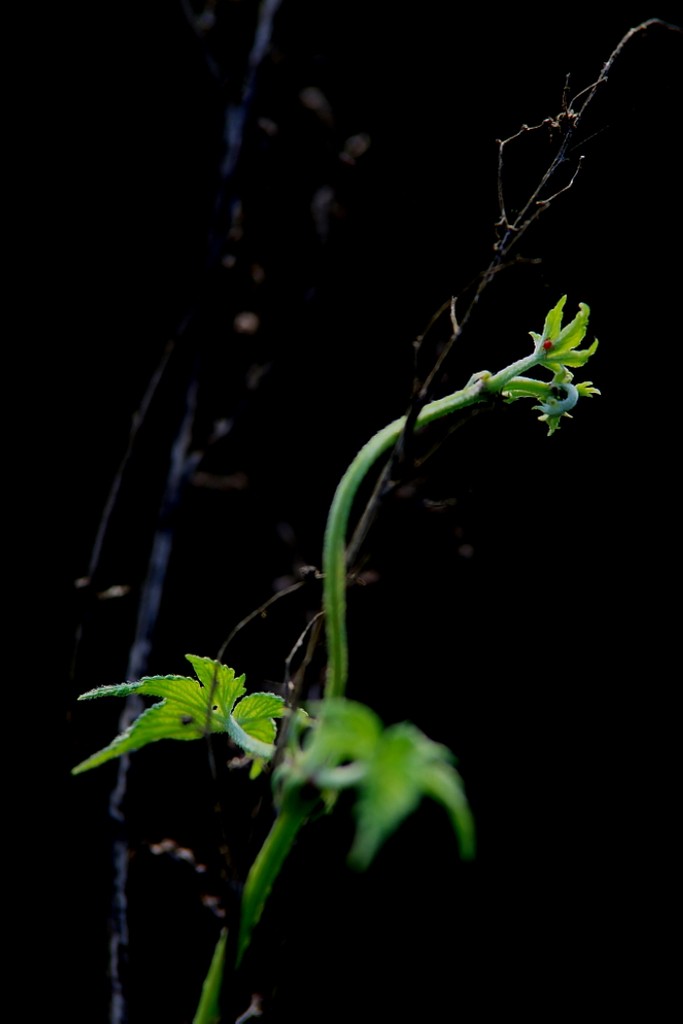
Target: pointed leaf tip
<point x="553" y="321"/>
<point x="208" y="1011"/>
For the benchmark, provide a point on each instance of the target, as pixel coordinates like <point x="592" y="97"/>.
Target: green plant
<point x="192" y="709"/>
<point x="342" y="744"/>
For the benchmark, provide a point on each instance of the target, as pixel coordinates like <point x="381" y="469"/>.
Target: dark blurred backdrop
<point x="513" y="604"/>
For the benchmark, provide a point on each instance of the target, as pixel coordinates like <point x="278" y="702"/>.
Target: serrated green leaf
<point x="256" y="714"/>
<point x="207" y="669"/>
<point x="154" y="686"/>
<point x="578" y="357"/>
<point x="553" y="321"/>
<point x="190" y="709"/>
<point x="121" y="690"/>
<point x="208" y="1011"/>
<point x="161" y="721"/>
<point x="220" y="680"/>
<point x="573" y="334"/>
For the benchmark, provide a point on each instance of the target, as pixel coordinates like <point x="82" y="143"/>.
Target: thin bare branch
<point x="566" y="122"/>
<point x="544" y="202"/>
<point x="503" y="218"/>
<point x="108" y="510"/>
<point x="465" y="417"/>
<point x="502" y="143"/>
<point x="602" y="77"/>
<point x="454" y="319"/>
<point x="565" y="93"/>
<point x="379" y="493"/>
<point x="293" y="688"/>
<point x="289" y="685"/>
<point x="417" y="344"/>
<point x="261" y="610"/>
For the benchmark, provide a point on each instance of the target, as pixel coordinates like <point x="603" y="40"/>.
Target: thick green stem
<point x="334" y="551"/>
<point x="270" y="858"/>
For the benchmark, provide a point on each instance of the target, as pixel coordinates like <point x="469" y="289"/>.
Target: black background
<point x="540" y="659"/>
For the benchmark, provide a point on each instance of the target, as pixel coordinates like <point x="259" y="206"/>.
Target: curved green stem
<point x="334" y="550"/>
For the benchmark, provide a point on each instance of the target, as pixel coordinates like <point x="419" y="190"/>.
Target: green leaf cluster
<point x="391" y="768"/>
<point x="193" y="708"/>
<point x="563" y="342"/>
<point x="556" y="348"/>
